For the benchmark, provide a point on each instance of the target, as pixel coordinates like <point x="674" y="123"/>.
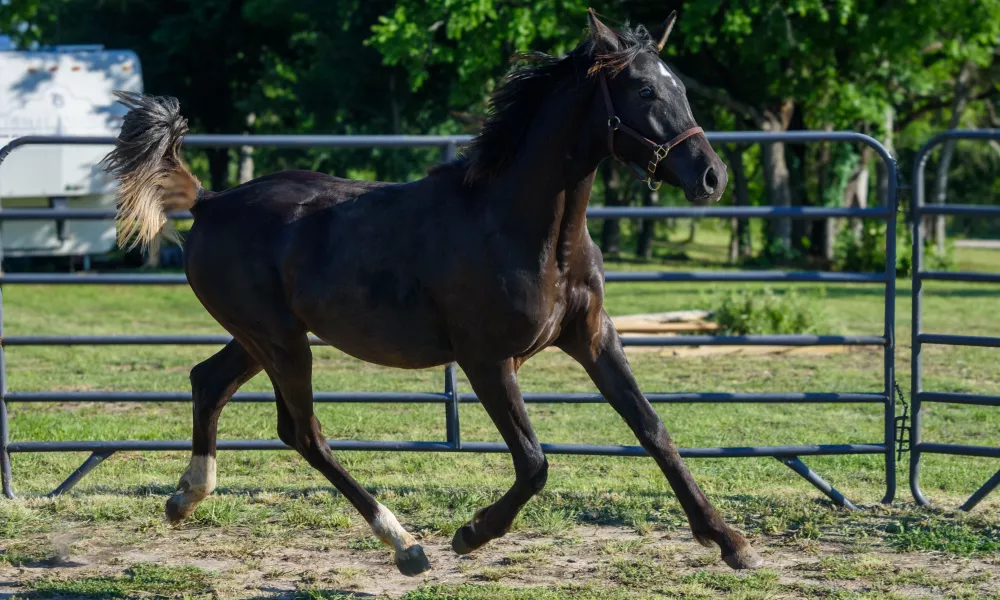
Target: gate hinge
<point x="902" y="425"/>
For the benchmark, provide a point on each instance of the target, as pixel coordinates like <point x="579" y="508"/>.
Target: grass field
<point x="603" y="528"/>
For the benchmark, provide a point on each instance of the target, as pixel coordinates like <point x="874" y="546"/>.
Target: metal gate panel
<point x="919" y="210"/>
<point x="451" y="397"/>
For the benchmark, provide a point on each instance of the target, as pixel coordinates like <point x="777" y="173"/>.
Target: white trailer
<point x="64" y="90"/>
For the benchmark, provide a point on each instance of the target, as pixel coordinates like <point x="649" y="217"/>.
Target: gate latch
<point x="902" y="425"/>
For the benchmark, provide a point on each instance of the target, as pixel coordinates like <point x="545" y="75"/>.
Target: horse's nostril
<point x="711" y="180"/>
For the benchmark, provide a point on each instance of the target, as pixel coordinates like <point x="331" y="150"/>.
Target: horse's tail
<point x="152" y="176"/>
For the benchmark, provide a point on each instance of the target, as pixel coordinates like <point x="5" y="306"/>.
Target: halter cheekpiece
<point x="660" y="151"/>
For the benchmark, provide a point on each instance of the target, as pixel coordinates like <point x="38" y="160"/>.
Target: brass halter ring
<point x="659" y="154"/>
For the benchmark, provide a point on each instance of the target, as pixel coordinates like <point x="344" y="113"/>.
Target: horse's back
<point x="268" y="215"/>
<point x="284" y="190"/>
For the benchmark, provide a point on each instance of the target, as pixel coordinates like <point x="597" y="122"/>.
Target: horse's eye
<point x="646" y="93"/>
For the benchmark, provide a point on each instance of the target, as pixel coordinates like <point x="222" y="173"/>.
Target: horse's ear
<point x="605" y="39"/>
<point x="661" y="33"/>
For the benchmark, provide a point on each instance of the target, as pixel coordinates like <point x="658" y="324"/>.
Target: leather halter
<point x="660" y="151"/>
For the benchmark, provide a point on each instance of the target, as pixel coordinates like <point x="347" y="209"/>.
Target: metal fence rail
<point x="451" y="398"/>
<point x="918" y="211"/>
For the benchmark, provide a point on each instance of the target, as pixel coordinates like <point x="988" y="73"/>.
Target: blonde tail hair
<point x="151" y="175"/>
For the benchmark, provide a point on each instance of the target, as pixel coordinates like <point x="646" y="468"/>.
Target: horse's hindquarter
<point x="308" y="248"/>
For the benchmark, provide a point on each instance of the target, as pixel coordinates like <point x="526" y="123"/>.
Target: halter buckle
<point x="652" y="185"/>
<point x="613" y="123"/>
<point x="659" y="153"/>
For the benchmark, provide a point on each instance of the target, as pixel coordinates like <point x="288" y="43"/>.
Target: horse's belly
<point x="385" y="329"/>
<point x="399" y="345"/>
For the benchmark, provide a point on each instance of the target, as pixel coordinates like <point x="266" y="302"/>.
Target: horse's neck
<point x="545" y="192"/>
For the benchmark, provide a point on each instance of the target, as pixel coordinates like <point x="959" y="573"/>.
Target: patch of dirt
<point x="278" y="567"/>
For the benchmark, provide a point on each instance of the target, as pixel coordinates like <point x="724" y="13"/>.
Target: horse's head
<point x="647" y="121"/>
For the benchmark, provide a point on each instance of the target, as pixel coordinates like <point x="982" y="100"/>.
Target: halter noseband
<point x="660" y="151"/>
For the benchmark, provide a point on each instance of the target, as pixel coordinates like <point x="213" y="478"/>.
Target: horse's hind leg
<point x="213" y="383"/>
<point x="497" y="388"/>
<point x="289" y="364"/>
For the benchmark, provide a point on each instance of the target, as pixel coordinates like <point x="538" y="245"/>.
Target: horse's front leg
<point x="595" y="344"/>
<point x="495" y="383"/>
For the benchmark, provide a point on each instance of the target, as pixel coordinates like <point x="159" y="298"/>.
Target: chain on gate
<point x="902" y="425"/>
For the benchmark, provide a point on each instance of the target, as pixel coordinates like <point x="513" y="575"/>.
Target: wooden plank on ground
<point x="681" y="321"/>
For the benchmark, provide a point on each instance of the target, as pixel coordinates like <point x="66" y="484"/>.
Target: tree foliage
<point x="428" y="66"/>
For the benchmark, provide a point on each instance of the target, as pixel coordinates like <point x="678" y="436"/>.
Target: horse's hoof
<point x="747" y="558"/>
<point x="178" y="508"/>
<point x="412" y="562"/>
<point x="460" y="544"/>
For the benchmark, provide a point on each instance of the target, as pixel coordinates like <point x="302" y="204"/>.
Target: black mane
<point x="534" y="76"/>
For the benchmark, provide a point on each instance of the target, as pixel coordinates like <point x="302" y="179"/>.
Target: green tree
<point x="898" y="70"/>
<point x="333" y="82"/>
<point x="28" y="21"/>
<point x="470" y="41"/>
<point x="207" y="53"/>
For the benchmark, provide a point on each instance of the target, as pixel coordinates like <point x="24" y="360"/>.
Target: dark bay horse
<point x="486" y="261"/>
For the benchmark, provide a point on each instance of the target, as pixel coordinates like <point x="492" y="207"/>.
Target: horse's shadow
<point x="141" y="491"/>
<point x="327" y="594"/>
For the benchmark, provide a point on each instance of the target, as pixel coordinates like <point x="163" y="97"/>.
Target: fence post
<point x="916" y="320"/>
<point x="5" y="471"/>
<point x="451" y="406"/>
<point x="448" y="153"/>
<point x="889" y="367"/>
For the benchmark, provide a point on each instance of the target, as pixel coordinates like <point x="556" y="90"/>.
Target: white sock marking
<point x="200" y="476"/>
<point x="387" y="528"/>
